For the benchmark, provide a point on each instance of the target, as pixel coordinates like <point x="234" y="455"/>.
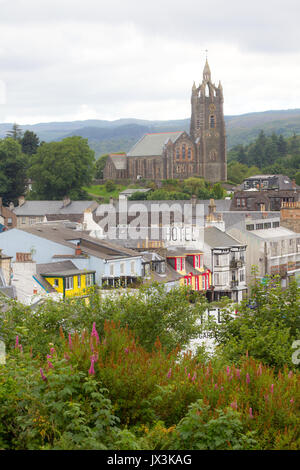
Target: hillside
<point x="120" y="135"/>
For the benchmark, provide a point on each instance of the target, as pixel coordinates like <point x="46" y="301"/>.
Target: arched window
<point x="189" y="153"/>
<point x="183" y="152"/>
<point x="212" y="121"/>
<point x="177" y="154"/>
<point x="206" y="90"/>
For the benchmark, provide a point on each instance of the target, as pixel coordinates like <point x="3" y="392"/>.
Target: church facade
<point x="172" y="155"/>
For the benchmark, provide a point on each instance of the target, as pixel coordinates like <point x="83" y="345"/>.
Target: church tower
<point x="208" y="128"/>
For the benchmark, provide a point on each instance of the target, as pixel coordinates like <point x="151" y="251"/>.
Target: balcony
<point x="234" y="284"/>
<point x="236" y="263"/>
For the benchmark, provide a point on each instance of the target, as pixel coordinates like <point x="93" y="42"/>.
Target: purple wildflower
<point x="70" y="341"/>
<point x="42" y="375"/>
<point x="248" y="378"/>
<point x="17" y="342"/>
<point x="126" y="350"/>
<point x="228" y="370"/>
<point x="169" y="373"/>
<point x="272" y="388"/>
<point x="250" y="413"/>
<point x="50" y="365"/>
<point x="194" y="377"/>
<point x="292" y="400"/>
<point x="238" y="373"/>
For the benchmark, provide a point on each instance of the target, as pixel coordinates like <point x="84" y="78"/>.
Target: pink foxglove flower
<point x="169" y="373"/>
<point x="95" y="333"/>
<point x="250" y="413"/>
<point x="272" y="388"/>
<point x="70" y="341"/>
<point x="126" y="350"/>
<point x="228" y="370"/>
<point x="292" y="400"/>
<point x="194" y="377"/>
<point x="91" y="369"/>
<point x="248" y="378"/>
<point x="17" y="342"/>
<point x="238" y="373"/>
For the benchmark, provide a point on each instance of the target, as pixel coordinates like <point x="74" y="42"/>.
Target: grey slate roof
<point x="152" y="144"/>
<point x="42" y="208"/>
<point x="215" y="238"/>
<point x="57" y="232"/>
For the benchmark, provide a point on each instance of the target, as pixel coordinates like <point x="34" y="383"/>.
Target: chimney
<point x="23" y="257"/>
<point x="78" y="250"/>
<point x="194" y="200"/>
<point x="21" y="200"/>
<point x="66" y="201"/>
<point x="212" y="207"/>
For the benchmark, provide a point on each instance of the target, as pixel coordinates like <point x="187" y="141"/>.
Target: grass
<point x="100" y="192"/>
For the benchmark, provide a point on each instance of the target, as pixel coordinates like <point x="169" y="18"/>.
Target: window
<point x="189" y="153"/>
<point x="79" y="281"/>
<point x="9" y="221"/>
<point x="183" y="152"/>
<point x="268" y="225"/>
<point x="198" y="123"/>
<point x="132" y="267"/>
<point x="23" y="220"/>
<point x="122" y="269"/>
<point x="275" y="224"/>
<point x="55" y="283"/>
<point x="217" y="260"/>
<point x="212" y="121"/>
<point x="112" y="269"/>
<point x="242" y="275"/>
<point x="197" y="261"/>
<point x="250" y="227"/>
<point x="89" y="280"/>
<point x="259" y="226"/>
<point x="238" y="202"/>
<point x="69" y="283"/>
<point x="177" y="154"/>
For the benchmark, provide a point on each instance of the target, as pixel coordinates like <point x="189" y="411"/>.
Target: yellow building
<point x="64" y="278"/>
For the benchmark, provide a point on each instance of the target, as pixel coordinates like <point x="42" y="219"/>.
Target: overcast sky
<point x="94" y="59"/>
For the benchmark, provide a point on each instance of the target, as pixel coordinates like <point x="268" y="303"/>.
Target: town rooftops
<point x="153" y="144"/>
<point x="215" y="238"/>
<point x="42" y="208"/>
<point x="271" y="233"/>
<point x="60" y="268"/>
<point x="57" y="232"/>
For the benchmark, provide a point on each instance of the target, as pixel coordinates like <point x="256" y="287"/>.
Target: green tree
<point x="99" y="166"/>
<point x="266" y="325"/>
<point x="12" y="170"/>
<point x="15" y="133"/>
<point x="30" y="143"/>
<point x="62" y="168"/>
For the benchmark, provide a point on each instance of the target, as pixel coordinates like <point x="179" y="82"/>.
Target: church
<point x="171" y="155"/>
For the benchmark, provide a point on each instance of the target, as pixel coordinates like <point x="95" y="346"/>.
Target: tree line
<point x="271" y="154"/>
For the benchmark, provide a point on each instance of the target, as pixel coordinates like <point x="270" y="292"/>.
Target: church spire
<point x="206" y="72"/>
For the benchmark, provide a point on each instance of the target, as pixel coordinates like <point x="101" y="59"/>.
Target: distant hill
<point x="120" y="135"/>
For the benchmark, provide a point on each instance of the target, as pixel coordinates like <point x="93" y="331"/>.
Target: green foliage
<point x="62" y="168"/>
<point x="12" y="170"/>
<point x="30" y="143"/>
<point x="266" y="331"/>
<point x="200" y="430"/>
<point x="99" y="166"/>
<point x="110" y="186"/>
<point x="267" y="154"/>
<point x="15" y="133"/>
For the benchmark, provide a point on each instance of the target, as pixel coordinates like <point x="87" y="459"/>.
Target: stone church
<point x="168" y="155"/>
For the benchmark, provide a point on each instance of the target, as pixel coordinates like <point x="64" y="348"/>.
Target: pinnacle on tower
<point x="206" y="72"/>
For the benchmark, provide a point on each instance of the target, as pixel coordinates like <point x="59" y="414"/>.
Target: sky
<point x="65" y="60"/>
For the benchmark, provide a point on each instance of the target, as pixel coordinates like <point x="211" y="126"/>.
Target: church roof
<point x="152" y="144"/>
<point x="119" y="160"/>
